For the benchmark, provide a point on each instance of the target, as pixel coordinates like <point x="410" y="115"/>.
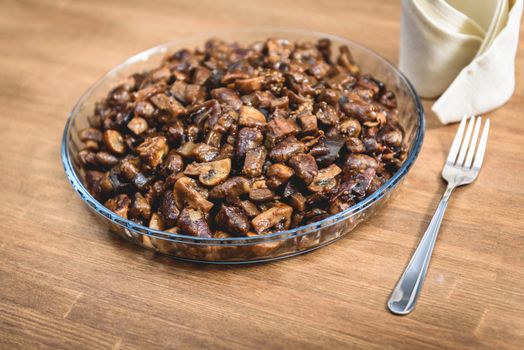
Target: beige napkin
<point x="461" y="50"/>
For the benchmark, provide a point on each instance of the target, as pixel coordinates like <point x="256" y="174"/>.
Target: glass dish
<point x="246" y="249"/>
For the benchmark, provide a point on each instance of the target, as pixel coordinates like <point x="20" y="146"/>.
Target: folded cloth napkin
<point x="461" y="50"/>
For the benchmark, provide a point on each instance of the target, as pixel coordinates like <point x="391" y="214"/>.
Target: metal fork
<point x="457" y="171"/>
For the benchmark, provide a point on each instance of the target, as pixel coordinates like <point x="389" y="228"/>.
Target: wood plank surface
<point x="67" y="283"/>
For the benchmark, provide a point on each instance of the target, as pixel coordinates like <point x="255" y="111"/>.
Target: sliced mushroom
<point x="250" y="116"/>
<point x="168" y="208"/>
<point x="114" y="141"/>
<point x="254" y="162"/>
<point x="153" y="150"/>
<point x="233" y="219"/>
<point x="204" y="153"/>
<point x="325" y="180"/>
<point x="233" y="187"/>
<point x="137" y="125"/>
<point x="249" y="207"/>
<point x="168" y="104"/>
<point x="280" y="127"/>
<point x="187" y="194"/>
<point x="278" y="216"/>
<point x="141" y="208"/>
<point x="360" y="162"/>
<point x="210" y="173"/>
<point x="305" y="167"/>
<point x="278" y="174"/>
<point x="309" y="123"/>
<point x="90" y="134"/>
<point x="248" y="138"/>
<point x="193" y="222"/>
<point x="106" y="159"/>
<point x="227" y="96"/>
<point x="286" y="149"/>
<point x="144" y="109"/>
<point x="119" y="205"/>
<point x="247" y="86"/>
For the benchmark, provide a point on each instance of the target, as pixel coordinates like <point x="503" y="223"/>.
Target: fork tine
<point x="452" y="156"/>
<point x="465" y="142"/>
<point x="479" y="157"/>
<point x="473" y="144"/>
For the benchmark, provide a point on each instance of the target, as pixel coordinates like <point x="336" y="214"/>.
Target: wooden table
<point x="66" y="283"/>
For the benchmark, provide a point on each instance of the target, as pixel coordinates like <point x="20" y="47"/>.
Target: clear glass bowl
<point x="245" y="249"/>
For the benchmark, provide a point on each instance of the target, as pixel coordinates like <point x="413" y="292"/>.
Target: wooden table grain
<point x="67" y="283"/>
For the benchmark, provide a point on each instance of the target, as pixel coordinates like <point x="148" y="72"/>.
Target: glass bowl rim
<point x="388" y="186"/>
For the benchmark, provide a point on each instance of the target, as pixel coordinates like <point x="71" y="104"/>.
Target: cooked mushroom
<point x="119" y="205"/>
<point x="278" y="174"/>
<point x="305" y="167"/>
<point x="210" y="173"/>
<point x="247" y="86"/>
<point x="277" y="216"/>
<point x="232" y="219"/>
<point x="137" y="125"/>
<point x="286" y="149"/>
<point x="325" y="180"/>
<point x="227" y="96"/>
<point x="187" y="193"/>
<point x="248" y="138"/>
<point x="232" y="187"/>
<point x="255" y="159"/>
<point x="250" y="116"/>
<point x="168" y="208"/>
<point x="114" y="141"/>
<point x="153" y="150"/>
<point x="140" y="209"/>
<point x="90" y="134"/>
<point x="193" y="222"/>
<point x="280" y="127"/>
<point x="168" y="104"/>
<point x="360" y="162"/>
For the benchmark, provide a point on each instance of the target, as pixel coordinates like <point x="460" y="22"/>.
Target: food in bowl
<point x="242" y="140"/>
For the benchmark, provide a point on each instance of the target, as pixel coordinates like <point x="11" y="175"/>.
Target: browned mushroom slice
<point x="297" y="201"/>
<point x="233" y="187"/>
<point x="129" y="167"/>
<point x="193" y="222"/>
<point x="210" y="173"/>
<point x="187" y="193"/>
<point x="325" y="180"/>
<point x="248" y="138"/>
<point x="247" y="86"/>
<point x="90" y="134"/>
<point x="326" y="114"/>
<point x="186" y="150"/>
<point x="320" y="69"/>
<point x="168" y="208"/>
<point x="173" y="163"/>
<point x="305" y="167"/>
<point x="204" y="153"/>
<point x="106" y="159"/>
<point x="278" y="174"/>
<point x="201" y="75"/>
<point x="260" y="193"/>
<point x="119" y="205"/>
<point x="250" y="116"/>
<point x="153" y="150"/>
<point x="278" y="50"/>
<point x="355" y="145"/>
<point x="141" y="208"/>
<point x="232" y="219"/>
<point x="254" y="162"/>
<point x="93" y="182"/>
<point x="345" y="59"/>
<point x="137" y="125"/>
<point x="286" y="149"/>
<point x="114" y="141"/>
<point x="144" y="109"/>
<point x="277" y="216"/>
<point x="309" y="123"/>
<point x="169" y="104"/>
<point x="156" y="222"/>
<point x="350" y="127"/>
<point x="87" y="158"/>
<point x="227" y="96"/>
<point x="249" y="207"/>
<point x="391" y="137"/>
<point x="360" y="162"/>
<point x="280" y="127"/>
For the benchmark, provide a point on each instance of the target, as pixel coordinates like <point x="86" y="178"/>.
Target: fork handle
<point x="404" y="297"/>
